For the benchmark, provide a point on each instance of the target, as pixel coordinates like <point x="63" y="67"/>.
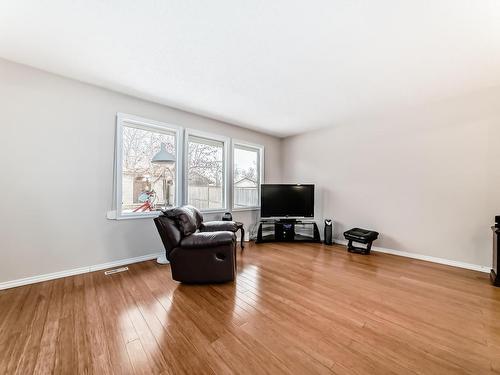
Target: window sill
<point x="112" y="215"/>
<point x="214" y="211"/>
<point x="246" y="209"/>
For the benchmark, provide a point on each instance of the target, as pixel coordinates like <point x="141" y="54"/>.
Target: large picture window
<point x="159" y="165"/>
<point x="206" y="172"/>
<point x="144" y="186"/>
<point x="247" y="172"/>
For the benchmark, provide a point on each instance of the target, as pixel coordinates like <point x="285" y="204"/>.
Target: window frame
<point x="226" y="158"/>
<point x="181" y="146"/>
<point x="121" y="120"/>
<point x="260" y="173"/>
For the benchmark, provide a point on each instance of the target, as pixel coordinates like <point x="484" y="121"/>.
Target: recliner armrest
<point x="208" y="239"/>
<point x="216" y="226"/>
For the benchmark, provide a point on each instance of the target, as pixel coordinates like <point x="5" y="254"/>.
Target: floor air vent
<point x="116" y="270"/>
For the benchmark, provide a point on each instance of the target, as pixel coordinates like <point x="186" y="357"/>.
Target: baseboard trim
<point x="75" y="271"/>
<point x="427" y="258"/>
<point x="123" y="262"/>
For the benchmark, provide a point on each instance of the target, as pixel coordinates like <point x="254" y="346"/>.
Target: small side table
<point x="239" y="226"/>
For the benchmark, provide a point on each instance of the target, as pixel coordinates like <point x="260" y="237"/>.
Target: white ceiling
<point x="281" y="67"/>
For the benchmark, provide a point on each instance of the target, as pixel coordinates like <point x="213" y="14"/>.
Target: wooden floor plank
<point x="294" y="309"/>
<point x="46" y="356"/>
<point x="16" y="333"/>
<point x="118" y="329"/>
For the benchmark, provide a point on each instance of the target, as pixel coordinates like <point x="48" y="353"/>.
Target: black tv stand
<point x="288" y="230"/>
<point x="288" y="221"/>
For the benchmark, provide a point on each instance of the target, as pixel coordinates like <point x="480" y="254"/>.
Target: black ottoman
<point x="361" y="236"/>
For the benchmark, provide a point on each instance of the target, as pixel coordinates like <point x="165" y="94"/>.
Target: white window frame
<point x="243" y="144"/>
<point x="121" y="120"/>
<point x="226" y="157"/>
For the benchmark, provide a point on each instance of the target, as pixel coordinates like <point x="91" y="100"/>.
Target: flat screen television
<point x="287" y="200"/>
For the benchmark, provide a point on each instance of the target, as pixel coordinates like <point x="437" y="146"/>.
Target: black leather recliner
<point x="198" y="252"/>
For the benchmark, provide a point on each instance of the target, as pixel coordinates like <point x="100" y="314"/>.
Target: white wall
<point x="427" y="178"/>
<point x="56" y="165"/>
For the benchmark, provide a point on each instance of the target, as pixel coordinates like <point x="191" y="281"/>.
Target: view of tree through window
<point x="142" y="181"/>
<point x="246" y="177"/>
<point x="205" y="173"/>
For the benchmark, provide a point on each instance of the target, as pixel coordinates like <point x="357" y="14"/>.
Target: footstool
<point x="361" y="236"/>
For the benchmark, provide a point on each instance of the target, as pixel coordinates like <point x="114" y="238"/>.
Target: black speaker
<point x="227" y="216"/>
<point x="328" y="232"/>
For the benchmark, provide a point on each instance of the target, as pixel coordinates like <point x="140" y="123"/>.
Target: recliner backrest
<point x="169" y="232"/>
<point x="187" y="218"/>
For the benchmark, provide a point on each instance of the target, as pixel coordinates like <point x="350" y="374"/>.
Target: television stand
<point x="288" y="230"/>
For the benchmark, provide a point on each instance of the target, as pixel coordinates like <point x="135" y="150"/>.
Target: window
<point x="195" y="168"/>
<point x="247" y="174"/>
<point x="143" y="186"/>
<point x="206" y="171"/>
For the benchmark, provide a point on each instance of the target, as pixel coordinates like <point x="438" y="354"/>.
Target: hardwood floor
<point x="294" y="309"/>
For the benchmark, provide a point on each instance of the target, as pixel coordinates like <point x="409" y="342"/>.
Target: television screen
<point x="286" y="200"/>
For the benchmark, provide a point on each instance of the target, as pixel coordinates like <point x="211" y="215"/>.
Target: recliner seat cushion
<point x="187" y="218"/>
<point x="208" y="239"/>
